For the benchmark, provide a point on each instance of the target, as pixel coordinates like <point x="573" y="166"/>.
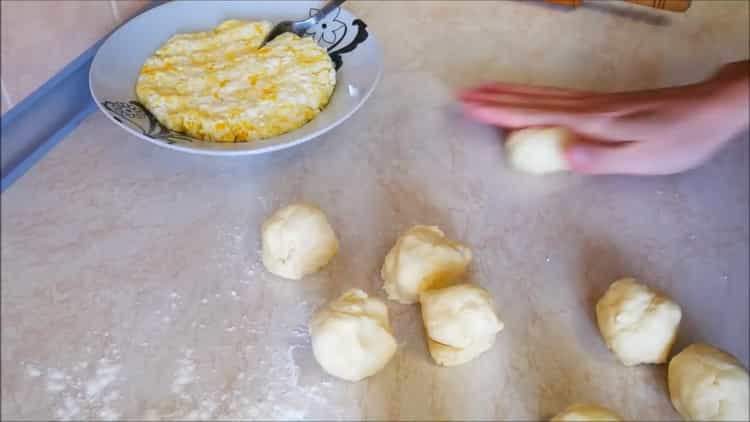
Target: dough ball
<point x="422" y="258"/>
<point x="585" y="412"/>
<point x="539" y="150"/>
<point x="450" y="356"/>
<point x="297" y="241"/>
<point x="460" y="322"/>
<point x="638" y="324"/>
<point x="708" y="384"/>
<point x="352" y="337"/>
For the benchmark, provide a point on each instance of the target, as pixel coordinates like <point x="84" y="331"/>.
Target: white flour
<point x="266" y="382"/>
<point x="33" y="371"/>
<point x="106" y="373"/>
<point x="83" y="393"/>
<point x="185" y="374"/>
<point x="270" y="388"/>
<point x="55" y="380"/>
<point x="271" y="391"/>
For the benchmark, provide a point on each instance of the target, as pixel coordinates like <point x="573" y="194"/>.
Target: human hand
<point x="661" y="131"/>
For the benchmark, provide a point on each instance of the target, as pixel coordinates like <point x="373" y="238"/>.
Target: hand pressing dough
<point x="297" y="241"/>
<point x="638" y="324"/>
<point x="539" y="150"/>
<point x="422" y="258"/>
<point x="584" y="413"/>
<point x="708" y="384"/>
<point x="460" y="322"/>
<point x="352" y="337"/>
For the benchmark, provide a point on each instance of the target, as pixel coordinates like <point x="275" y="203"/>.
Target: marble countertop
<point x="131" y="282"/>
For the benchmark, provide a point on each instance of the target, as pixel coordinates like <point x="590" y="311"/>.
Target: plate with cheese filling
<point x="192" y="76"/>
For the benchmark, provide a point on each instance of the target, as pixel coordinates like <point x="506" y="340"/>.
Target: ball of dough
<point x="460" y="322"/>
<point x="708" y="384"/>
<point x="352" y="337"/>
<point x="638" y="324"/>
<point x="422" y="258"/>
<point x="451" y="356"/>
<point x="297" y="241"/>
<point x="539" y="150"/>
<point x="585" y="412"/>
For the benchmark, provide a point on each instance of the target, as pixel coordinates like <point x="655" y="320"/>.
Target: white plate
<point x="115" y="68"/>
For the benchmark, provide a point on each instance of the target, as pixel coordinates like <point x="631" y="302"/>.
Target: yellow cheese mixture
<point x="219" y="86"/>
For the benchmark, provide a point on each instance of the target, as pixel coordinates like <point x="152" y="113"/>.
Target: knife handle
<point x="670" y="5"/>
<point x="566" y="2"/>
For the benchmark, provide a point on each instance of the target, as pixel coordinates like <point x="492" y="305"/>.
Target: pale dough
<point x="706" y="383"/>
<point x="539" y="150"/>
<point x="297" y="241"/>
<point x="422" y="258"/>
<point x="638" y="324"/>
<point x="352" y="337"/>
<point x="460" y="323"/>
<point x="584" y="413"/>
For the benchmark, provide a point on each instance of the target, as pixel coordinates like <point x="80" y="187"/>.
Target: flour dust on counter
<point x="265" y="383"/>
<point x="87" y="389"/>
<point x="102" y="230"/>
<point x="195" y="386"/>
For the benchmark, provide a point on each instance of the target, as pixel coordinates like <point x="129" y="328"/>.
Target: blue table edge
<point x="40" y="121"/>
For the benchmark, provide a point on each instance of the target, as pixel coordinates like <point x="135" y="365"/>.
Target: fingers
<point x="733" y="70"/>
<point x="608" y="117"/>
<point x="591" y="158"/>
<point x="509" y="93"/>
<point x="498" y="87"/>
<point x="615" y="104"/>
<point x="597" y="125"/>
<point x="549" y="93"/>
<point x="578" y="103"/>
<point x="634" y="158"/>
<point x="518" y="106"/>
<point x="505" y="99"/>
<point x="515" y="117"/>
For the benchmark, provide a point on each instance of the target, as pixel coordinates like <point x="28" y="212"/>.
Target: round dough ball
<point x="422" y="258"/>
<point x="352" y="337"/>
<point x="539" y="150"/>
<point x="638" y="324"/>
<point x="297" y="241"/>
<point x="708" y="384"/>
<point x="585" y="412"/>
<point x="460" y="322"/>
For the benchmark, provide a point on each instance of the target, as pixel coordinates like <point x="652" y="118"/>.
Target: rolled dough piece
<point x="297" y="241"/>
<point x="460" y="322"/>
<point x="450" y="356"/>
<point x="708" y="384"/>
<point x="638" y="324"/>
<point x="352" y="337"/>
<point x="585" y="412"/>
<point x="422" y="258"/>
<point x="539" y="150"/>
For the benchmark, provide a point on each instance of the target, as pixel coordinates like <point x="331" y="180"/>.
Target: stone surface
<point x="131" y="277"/>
